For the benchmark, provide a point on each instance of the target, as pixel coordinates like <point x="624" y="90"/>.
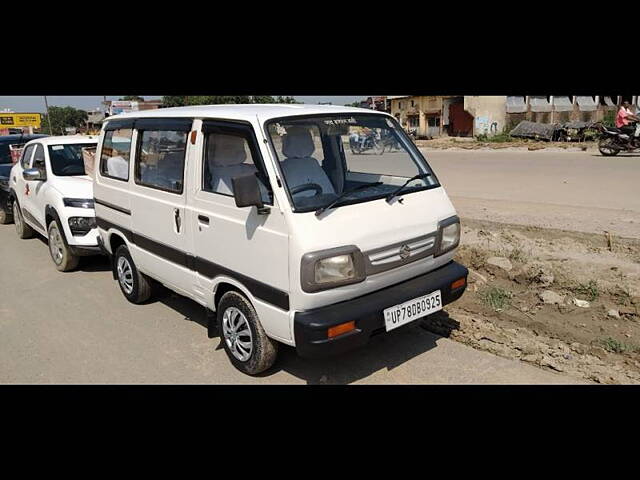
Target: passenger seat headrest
<point x="297" y="143"/>
<point x="226" y="150"/>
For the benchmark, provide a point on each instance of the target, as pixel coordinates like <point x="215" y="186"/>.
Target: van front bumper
<point x="310" y="327"/>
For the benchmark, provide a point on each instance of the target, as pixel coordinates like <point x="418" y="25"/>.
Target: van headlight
<point x="331" y="268"/>
<point x="448" y="235"/>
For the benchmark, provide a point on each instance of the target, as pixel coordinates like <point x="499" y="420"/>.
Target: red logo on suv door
<point x="26" y="189"/>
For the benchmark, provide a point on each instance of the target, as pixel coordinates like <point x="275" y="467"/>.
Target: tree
<point x="62" y="117"/>
<point x="132" y="98"/>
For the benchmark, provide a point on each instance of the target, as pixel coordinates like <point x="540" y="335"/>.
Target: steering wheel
<point x="307" y="186"/>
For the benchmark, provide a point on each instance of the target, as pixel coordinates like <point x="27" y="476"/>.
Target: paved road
<point x="580" y="191"/>
<point x="78" y="328"/>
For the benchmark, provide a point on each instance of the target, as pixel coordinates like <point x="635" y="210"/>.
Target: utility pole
<point x="46" y="105"/>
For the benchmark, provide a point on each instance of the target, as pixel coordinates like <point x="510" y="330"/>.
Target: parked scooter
<point x="613" y="140"/>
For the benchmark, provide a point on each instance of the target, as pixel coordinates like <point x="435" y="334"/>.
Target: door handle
<point x="176" y="217"/>
<point x="203" y="219"/>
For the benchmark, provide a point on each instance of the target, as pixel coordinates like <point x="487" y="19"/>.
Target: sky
<point x="36" y="104"/>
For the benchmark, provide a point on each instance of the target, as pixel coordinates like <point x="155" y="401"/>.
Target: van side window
<point x="160" y="159"/>
<point x="25" y="161"/>
<point x="116" y="150"/>
<point x="228" y="154"/>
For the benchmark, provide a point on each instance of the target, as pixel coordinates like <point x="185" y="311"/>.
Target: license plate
<point x="406" y="312"/>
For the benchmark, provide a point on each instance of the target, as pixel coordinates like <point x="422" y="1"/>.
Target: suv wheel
<point x="135" y="286"/>
<point x="60" y="252"/>
<point x="247" y="345"/>
<point x="24" y="230"/>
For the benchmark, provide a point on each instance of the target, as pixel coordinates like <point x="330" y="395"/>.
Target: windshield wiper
<point x="344" y="194"/>
<point x="395" y="193"/>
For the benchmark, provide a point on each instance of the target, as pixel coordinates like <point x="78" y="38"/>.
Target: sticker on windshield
<point x="280" y="129"/>
<point x="57" y="147"/>
<point x="340" y="121"/>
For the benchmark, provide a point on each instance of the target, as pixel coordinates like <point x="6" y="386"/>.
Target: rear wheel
<point x="60" y="252"/>
<point x="23" y="230"/>
<point x="135" y="286"/>
<point x="247" y="345"/>
<point x="606" y="147"/>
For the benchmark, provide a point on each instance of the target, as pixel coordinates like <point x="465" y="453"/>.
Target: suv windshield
<point x="66" y="160"/>
<point x="322" y="157"/>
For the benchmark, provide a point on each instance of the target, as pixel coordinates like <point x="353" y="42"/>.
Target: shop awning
<point x="516" y="105"/>
<point x="586" y="104"/>
<point x="562" y="104"/>
<point x="539" y="104"/>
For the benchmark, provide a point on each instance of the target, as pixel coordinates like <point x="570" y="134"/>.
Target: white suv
<point x="51" y="194"/>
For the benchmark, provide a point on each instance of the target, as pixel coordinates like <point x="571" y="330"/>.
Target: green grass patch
<point x="588" y="290"/>
<point x="497" y="298"/>
<point x="497" y="138"/>
<point x="615" y="346"/>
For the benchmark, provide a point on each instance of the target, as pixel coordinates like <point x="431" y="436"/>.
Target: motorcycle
<point x="612" y="140"/>
<point x="359" y="143"/>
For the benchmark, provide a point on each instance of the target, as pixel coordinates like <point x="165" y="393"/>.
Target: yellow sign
<point x="15" y="120"/>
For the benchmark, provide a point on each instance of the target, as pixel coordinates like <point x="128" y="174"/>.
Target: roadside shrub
<point x="497" y="298"/>
<point x="588" y="290"/>
<point x="615" y="346"/>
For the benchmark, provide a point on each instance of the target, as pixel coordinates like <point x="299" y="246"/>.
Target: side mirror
<point x="33" y="174"/>
<point x="246" y="191"/>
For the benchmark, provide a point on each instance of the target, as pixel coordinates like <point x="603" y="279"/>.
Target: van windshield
<point x="323" y="156"/>
<point x="66" y="160"/>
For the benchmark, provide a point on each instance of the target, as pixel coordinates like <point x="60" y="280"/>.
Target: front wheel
<point x="60" y="252"/>
<point x="606" y="147"/>
<point x="247" y="345"/>
<point x="135" y="286"/>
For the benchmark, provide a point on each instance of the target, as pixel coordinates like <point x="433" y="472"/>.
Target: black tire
<point x="61" y="255"/>
<point x="5" y="216"/>
<point x="23" y="230"/>
<point x="604" y="146"/>
<point x="135" y="286"/>
<point x="263" y="349"/>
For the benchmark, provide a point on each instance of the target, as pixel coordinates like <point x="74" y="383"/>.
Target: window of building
<point x="400" y="105"/>
<point x="160" y="159"/>
<point x="116" y="150"/>
<point x="412" y="103"/>
<point x="414" y="121"/>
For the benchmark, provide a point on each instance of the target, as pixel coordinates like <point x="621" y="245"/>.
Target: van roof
<point x="65" y="139"/>
<point x="248" y="112"/>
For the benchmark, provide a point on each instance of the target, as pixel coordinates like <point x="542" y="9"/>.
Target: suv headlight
<point x="78" y="202"/>
<point x="331" y="268"/>
<point x="448" y="235"/>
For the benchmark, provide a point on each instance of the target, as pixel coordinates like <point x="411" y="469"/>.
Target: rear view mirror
<point x="33" y="174"/>
<point x="246" y="191"/>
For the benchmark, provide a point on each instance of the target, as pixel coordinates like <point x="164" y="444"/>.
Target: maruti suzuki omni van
<point x="312" y="226"/>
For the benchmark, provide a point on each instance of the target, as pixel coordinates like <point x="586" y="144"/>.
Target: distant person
<point x="625" y="117"/>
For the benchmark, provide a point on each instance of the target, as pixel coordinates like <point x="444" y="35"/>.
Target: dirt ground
<point x="564" y="301"/>
<point x="470" y="143"/>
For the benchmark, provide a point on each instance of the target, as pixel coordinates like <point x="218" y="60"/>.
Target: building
<point x="114" y="107"/>
<point x="465" y="116"/>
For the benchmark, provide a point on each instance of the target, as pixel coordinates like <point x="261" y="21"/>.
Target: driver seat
<point x="299" y="166"/>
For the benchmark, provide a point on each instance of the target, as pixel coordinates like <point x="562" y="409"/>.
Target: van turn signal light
<point x="342" y="328"/>
<point x="458" y="283"/>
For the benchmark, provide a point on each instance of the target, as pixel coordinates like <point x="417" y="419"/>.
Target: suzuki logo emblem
<point x="405" y="251"/>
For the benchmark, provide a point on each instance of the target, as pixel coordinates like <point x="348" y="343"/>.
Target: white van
<point x="314" y="226"/>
